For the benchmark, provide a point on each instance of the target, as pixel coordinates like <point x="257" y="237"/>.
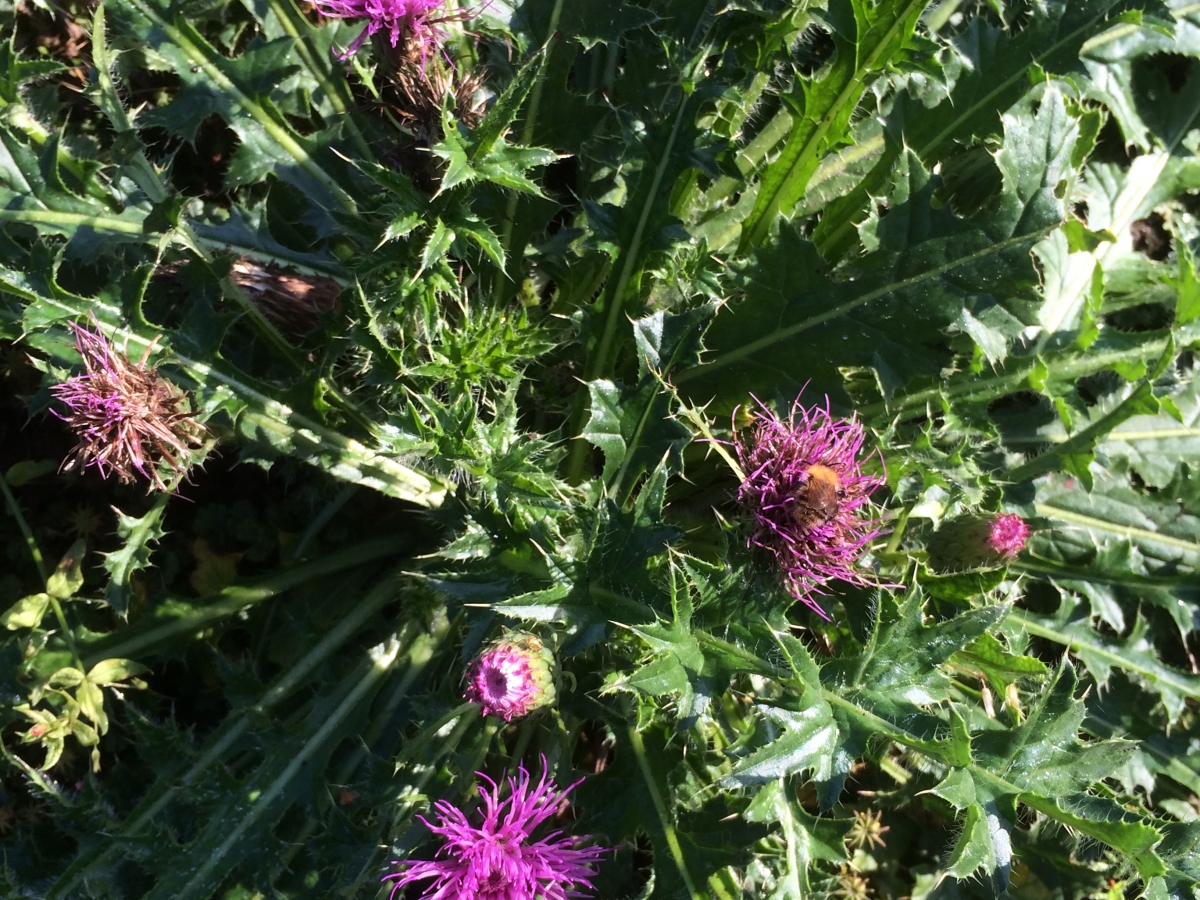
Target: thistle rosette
<point x="513" y="677"/>
<point x="972" y="542"/>
<point x="499" y="858"/>
<point x="805" y="486"/>
<point x="129" y="419"/>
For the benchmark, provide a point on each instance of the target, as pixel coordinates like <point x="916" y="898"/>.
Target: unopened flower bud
<point x="513" y="677"/>
<point x="972" y="542"/>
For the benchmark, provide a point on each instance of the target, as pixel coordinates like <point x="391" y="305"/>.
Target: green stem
<point x="1131" y="532"/>
<point x="664" y="819"/>
<point x="1176" y="681"/>
<point x="336" y="90"/>
<point x="1067" y="366"/>
<point x="384" y="657"/>
<point x="166" y="789"/>
<point x="232" y="600"/>
<point x="597" y="366"/>
<point x="186" y="39"/>
<point x="14" y="510"/>
<point x="527" y="132"/>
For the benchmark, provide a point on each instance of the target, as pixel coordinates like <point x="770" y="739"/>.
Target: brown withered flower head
<point x="129" y="419"/>
<point x="294" y="304"/>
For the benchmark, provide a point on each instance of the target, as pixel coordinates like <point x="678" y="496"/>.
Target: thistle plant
<point x="477" y="300"/>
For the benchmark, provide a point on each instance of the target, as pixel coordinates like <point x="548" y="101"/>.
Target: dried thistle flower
<point x="418" y="93"/>
<point x="129" y="419"/>
<point x="293" y="303"/>
<point x="499" y="859"/>
<point x="512" y="677"/>
<point x="805" y="487"/>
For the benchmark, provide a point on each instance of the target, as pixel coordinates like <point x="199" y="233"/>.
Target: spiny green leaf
<point x="137" y="533"/>
<point x="869" y="39"/>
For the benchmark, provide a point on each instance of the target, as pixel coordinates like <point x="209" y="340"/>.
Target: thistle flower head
<point x="499" y="859"/>
<point x="1007" y="534"/>
<point x="129" y="419"/>
<point x="968" y="542"/>
<point x="512" y="677"/>
<point x="393" y="17"/>
<point x="805" y="487"/>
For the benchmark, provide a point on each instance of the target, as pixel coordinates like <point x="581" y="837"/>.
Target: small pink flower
<point x="129" y="419"/>
<point x="806" y="489"/>
<point x="499" y="859"/>
<point x="512" y="677"/>
<point x="395" y="17"/>
<point x="1007" y="535"/>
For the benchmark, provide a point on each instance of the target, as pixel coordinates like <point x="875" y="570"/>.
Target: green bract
<point x="468" y="336"/>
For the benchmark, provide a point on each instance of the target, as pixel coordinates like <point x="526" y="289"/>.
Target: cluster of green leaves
<point x="563" y="260"/>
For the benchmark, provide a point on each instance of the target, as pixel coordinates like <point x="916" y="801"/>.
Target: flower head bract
<point x="805" y="487"/>
<point x="129" y="419"/>
<point x="499" y="859"/>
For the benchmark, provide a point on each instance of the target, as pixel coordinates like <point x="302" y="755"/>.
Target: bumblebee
<point x="819" y="497"/>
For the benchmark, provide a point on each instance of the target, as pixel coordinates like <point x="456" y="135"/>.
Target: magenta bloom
<point x="1007" y="535"/>
<point x="805" y="487"/>
<point x="396" y="17"/>
<point x="512" y="678"/>
<point x="129" y="419"/>
<point x="500" y="860"/>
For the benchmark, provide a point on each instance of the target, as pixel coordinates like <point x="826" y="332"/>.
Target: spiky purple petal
<point x="1007" y="535"/>
<point x="777" y="457"/>
<point x="499" y="859"/>
<point x="394" y="17"/>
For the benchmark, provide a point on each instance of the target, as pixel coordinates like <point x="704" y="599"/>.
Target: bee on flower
<point x="805" y="486"/>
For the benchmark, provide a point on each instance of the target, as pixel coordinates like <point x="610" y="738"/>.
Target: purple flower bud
<point x="969" y="542"/>
<point x="1007" y="534"/>
<point x="499" y="859"/>
<point x="129" y="419"/>
<point x="807" y="492"/>
<point x="513" y="677"/>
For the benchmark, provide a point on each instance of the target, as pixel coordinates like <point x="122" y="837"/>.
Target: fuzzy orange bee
<point x="818" y="498"/>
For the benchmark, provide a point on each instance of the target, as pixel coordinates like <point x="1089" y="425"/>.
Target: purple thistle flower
<point x="512" y="678"/>
<point x="805" y="487"/>
<point x="1007" y="535"/>
<point x="129" y="419"/>
<point x="395" y="17"/>
<point x="499" y="860"/>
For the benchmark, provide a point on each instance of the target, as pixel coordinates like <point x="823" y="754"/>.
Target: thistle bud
<point x="972" y="542"/>
<point x="513" y="677"/>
